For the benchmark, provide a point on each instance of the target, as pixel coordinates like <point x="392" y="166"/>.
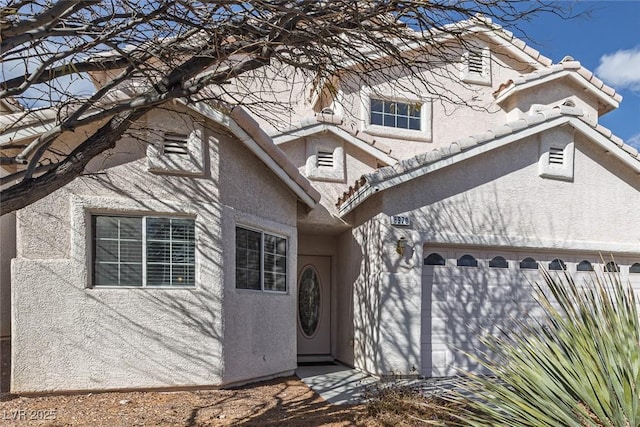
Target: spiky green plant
<point x="577" y="365"/>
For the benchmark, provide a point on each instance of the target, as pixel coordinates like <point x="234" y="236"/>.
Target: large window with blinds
<point x="261" y="261"/>
<point x="143" y="251"/>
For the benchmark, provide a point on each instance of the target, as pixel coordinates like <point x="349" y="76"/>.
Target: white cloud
<point x="621" y="69"/>
<point x="634" y="141"/>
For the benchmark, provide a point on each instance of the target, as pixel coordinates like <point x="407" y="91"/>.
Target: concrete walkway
<point x="337" y="384"/>
<point x="340" y="385"/>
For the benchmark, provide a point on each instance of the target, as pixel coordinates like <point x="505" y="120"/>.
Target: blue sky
<point x="608" y="44"/>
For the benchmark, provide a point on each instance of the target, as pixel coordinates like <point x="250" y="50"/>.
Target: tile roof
<point x="568" y="65"/>
<point x="336" y="121"/>
<point x="412" y="167"/>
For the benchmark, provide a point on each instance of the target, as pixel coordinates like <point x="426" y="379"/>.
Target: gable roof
<point x="323" y="123"/>
<point x="567" y="68"/>
<point x="469" y="147"/>
<point x="476" y="25"/>
<point x="237" y="121"/>
<point x="247" y="130"/>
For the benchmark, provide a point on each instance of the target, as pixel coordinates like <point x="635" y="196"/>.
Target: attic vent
<point x="325" y="159"/>
<point x="175" y="143"/>
<point x="475" y="61"/>
<point x="556" y="156"/>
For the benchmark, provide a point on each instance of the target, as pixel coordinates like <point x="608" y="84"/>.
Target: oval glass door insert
<point x="309" y="301"/>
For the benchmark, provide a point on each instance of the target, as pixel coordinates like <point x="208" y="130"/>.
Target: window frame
<point x="144" y="242"/>
<point x="368" y="94"/>
<point x="262" y="256"/>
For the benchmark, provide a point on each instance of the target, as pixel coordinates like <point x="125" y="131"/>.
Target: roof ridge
<point x="567" y="64"/>
<point x="532" y="119"/>
<point x="337" y="121"/>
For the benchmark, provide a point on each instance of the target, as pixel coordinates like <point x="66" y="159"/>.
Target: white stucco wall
<point x="493" y="202"/>
<point x="324" y="218"/>
<point x="259" y="327"/>
<point x="469" y="106"/>
<point x="69" y="336"/>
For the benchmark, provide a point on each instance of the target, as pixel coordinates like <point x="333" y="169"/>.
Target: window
<point x="611" y="267"/>
<point x="143" y="251"/>
<point x="528" y="264"/>
<point x="395" y="114"/>
<point x="498" y="262"/>
<point x="557" y="264"/>
<point x="467" y="261"/>
<point x="584" y="265"/>
<point x="261" y="261"/>
<point x="434" y="259"/>
<point x="635" y="268"/>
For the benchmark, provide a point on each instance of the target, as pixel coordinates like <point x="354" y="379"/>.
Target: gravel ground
<point x="285" y="402"/>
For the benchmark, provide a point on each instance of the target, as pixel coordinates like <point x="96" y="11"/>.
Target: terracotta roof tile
<point x="568" y="65"/>
<point x="461" y="145"/>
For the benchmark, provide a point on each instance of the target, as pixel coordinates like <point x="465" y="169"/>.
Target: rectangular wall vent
<point x="556" y="156"/>
<point x="175" y="143"/>
<point x="475" y="62"/>
<point x="325" y="159"/>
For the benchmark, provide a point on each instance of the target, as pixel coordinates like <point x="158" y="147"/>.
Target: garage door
<point x="470" y="292"/>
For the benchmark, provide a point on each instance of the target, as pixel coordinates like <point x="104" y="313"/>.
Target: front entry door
<point x="314" y="305"/>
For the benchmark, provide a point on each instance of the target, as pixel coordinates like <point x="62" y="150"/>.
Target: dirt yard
<point x="283" y="402"/>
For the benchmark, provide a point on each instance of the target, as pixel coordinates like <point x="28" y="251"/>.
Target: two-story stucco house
<point x="386" y="228"/>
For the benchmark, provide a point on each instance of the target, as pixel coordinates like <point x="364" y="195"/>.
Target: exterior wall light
<point x="401" y="244"/>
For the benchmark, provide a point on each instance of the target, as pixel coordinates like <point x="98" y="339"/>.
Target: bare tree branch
<point x="143" y="53"/>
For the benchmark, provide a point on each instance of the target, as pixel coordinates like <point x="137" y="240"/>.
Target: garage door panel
<point x="462" y="304"/>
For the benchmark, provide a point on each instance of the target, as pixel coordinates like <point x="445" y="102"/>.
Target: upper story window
<point x="261" y="261"/>
<point x="395" y="114"/>
<point x="143" y="251"/>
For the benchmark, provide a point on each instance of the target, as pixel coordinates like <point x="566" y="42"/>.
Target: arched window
<point x="434" y="259"/>
<point x="611" y="267"/>
<point x="635" y="268"/>
<point x="498" y="262"/>
<point x="467" y="261"/>
<point x="528" y="264"/>
<point x="557" y="264"/>
<point x="584" y="265"/>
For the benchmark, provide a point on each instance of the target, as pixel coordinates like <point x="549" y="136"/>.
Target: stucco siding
<point x="68" y="335"/>
<point x="492" y="203"/>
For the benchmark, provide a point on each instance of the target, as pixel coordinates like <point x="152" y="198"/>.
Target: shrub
<point x="576" y="365"/>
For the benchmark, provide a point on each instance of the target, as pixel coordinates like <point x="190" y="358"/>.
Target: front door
<point x="314" y="306"/>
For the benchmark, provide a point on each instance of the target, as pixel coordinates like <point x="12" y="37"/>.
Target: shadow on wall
<point x="456" y="305"/>
<point x="460" y="304"/>
<point x="384" y="308"/>
<point x="112" y="338"/>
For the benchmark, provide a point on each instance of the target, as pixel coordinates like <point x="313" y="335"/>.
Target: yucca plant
<point x="576" y="365"/>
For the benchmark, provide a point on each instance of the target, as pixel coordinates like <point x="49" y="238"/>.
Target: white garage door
<point x="468" y="292"/>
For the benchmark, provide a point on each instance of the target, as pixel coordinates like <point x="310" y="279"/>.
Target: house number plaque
<point x="402" y="220"/>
